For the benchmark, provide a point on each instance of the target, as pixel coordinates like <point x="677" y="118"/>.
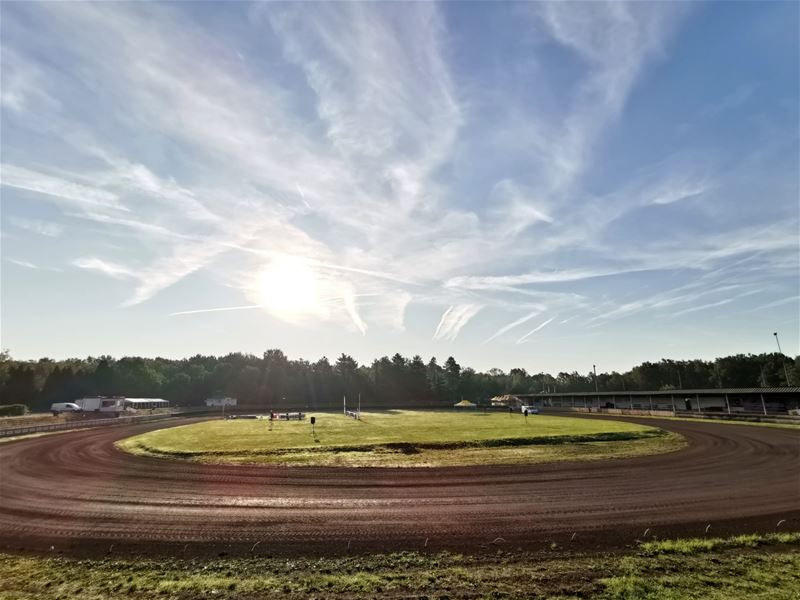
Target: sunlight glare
<point x="288" y="287"/>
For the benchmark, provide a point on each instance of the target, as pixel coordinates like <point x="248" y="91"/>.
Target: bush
<point x="13" y="410"/>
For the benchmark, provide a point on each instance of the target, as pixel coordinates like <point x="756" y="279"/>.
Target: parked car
<point x="531" y="410"/>
<point x="64" y="407"/>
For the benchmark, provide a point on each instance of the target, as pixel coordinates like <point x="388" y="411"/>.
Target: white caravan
<point x="102" y="404"/>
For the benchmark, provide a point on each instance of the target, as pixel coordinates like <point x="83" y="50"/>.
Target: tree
<point x="20" y="386"/>
<point x="435" y="375"/>
<point x="418" y="380"/>
<point x="452" y="377"/>
<point x="347" y="370"/>
<point x="264" y="381"/>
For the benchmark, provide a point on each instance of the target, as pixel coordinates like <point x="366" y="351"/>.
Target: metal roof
<point x="145" y="400"/>
<point x="676" y="392"/>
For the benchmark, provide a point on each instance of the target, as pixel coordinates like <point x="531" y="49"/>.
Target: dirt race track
<point x="74" y="493"/>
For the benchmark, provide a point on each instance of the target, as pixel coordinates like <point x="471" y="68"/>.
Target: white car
<point x="531" y="410"/>
<point x="64" y="407"/>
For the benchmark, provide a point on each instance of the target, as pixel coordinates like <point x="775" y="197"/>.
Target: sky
<point x="537" y="185"/>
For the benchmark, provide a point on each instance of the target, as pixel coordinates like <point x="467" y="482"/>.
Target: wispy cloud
<point x="773" y="304"/>
<point x="106" y="268"/>
<point x="59" y="189"/>
<point x="686" y="311"/>
<point x="22" y="263"/>
<point x="454" y="319"/>
<point x="367" y="150"/>
<point x="37" y="226"/>
<point x="492" y="281"/>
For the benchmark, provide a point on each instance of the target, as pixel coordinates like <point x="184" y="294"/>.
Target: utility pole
<point x="783" y="361"/>
<point x="596" y="392"/>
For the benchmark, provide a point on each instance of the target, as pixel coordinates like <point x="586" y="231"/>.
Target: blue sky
<point x="538" y="185"/>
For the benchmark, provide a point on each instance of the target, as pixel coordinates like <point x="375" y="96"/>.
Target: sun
<point x="288" y="288"/>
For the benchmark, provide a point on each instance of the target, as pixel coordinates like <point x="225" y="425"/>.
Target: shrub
<point x="13" y="410"/>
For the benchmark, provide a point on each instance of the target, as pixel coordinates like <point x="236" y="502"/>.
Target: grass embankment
<point x="744" y="567"/>
<point x="404" y="438"/>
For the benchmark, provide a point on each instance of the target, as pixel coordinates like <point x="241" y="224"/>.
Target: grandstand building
<point x="725" y="400"/>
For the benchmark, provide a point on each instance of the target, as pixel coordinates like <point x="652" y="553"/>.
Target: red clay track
<point x="77" y="493"/>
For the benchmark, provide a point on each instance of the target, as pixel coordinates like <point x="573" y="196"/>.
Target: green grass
<point x="404" y="438"/>
<point x="760" y="567"/>
<point x="698" y="545"/>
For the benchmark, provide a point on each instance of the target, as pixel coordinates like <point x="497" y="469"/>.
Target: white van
<point x="63" y="407"/>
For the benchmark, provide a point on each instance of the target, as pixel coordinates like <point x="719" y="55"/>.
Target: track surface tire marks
<point x="77" y="494"/>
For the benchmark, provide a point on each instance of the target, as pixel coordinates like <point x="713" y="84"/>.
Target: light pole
<point x="783" y="362"/>
<point x="596" y="392"/>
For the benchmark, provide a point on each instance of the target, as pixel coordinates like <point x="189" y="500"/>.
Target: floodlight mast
<point x="783" y="362"/>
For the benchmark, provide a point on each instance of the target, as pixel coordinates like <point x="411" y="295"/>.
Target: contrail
<point x="511" y="326"/>
<point x="530" y="333"/>
<point x="252" y="306"/>
<point x="313" y="262"/>
<point x="453" y="319"/>
<point x="206" y="310"/>
<point x="302" y="195"/>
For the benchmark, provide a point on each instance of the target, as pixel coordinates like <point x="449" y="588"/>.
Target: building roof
<point x="146" y="400"/>
<point x="703" y="392"/>
<point x="465" y="403"/>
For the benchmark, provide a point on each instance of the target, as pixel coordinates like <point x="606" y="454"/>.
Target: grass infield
<point x="745" y="567"/>
<point x="404" y="438"/>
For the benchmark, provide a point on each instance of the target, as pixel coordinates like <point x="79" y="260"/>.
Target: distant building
<point x="763" y="401"/>
<point x="140" y="403"/>
<point x="118" y="404"/>
<point x="220" y="402"/>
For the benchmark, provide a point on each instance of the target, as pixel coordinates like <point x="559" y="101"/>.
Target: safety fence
<point x="717" y="415"/>
<point x="106" y="422"/>
<point x="741" y="416"/>
<point x="611" y="411"/>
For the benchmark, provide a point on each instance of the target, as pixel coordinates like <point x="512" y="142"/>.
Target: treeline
<point x="273" y="380"/>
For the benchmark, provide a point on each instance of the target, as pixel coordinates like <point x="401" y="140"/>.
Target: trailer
<point x="102" y="404"/>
